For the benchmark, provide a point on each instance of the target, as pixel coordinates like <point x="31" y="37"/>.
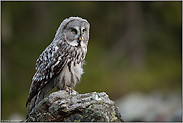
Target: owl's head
<point x="75" y="31"/>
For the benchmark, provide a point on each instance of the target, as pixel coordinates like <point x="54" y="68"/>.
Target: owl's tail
<point x="31" y="105"/>
<point x="39" y="96"/>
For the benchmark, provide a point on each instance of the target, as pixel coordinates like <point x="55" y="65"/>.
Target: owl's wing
<point x="49" y="64"/>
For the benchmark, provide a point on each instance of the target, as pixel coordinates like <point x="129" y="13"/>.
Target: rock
<point x="153" y="107"/>
<point x="65" y="107"/>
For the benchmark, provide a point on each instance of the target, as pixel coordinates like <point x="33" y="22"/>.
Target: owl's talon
<point x="67" y="89"/>
<point x="70" y="88"/>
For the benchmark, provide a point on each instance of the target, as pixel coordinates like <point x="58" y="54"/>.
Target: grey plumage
<point x="60" y="64"/>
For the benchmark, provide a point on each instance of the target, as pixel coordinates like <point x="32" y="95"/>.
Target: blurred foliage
<point x="134" y="46"/>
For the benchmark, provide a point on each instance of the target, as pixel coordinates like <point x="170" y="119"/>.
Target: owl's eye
<point x="83" y="31"/>
<point x="74" y="31"/>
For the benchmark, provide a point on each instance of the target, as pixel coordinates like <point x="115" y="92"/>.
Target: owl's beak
<point x="79" y="38"/>
<point x="79" y="41"/>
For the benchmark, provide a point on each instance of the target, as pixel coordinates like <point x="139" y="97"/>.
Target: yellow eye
<point x="74" y="31"/>
<point x="83" y="31"/>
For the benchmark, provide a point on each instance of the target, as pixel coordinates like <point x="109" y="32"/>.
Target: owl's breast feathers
<point x="51" y="62"/>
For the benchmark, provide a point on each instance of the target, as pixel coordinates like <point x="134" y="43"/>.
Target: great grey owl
<point x="60" y="64"/>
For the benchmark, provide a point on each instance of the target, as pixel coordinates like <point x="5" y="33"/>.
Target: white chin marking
<point x="82" y="44"/>
<point x="74" y="43"/>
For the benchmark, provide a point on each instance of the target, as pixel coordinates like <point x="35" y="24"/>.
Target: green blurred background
<point x="133" y="46"/>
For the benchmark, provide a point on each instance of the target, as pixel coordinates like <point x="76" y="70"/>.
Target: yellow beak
<point x="80" y="38"/>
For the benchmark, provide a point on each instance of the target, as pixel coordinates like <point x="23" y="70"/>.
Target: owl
<point x="60" y="64"/>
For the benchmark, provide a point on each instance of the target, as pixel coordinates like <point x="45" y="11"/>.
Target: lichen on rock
<point x="73" y="107"/>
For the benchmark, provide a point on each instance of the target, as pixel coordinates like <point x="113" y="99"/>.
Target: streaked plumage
<point x="60" y="64"/>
